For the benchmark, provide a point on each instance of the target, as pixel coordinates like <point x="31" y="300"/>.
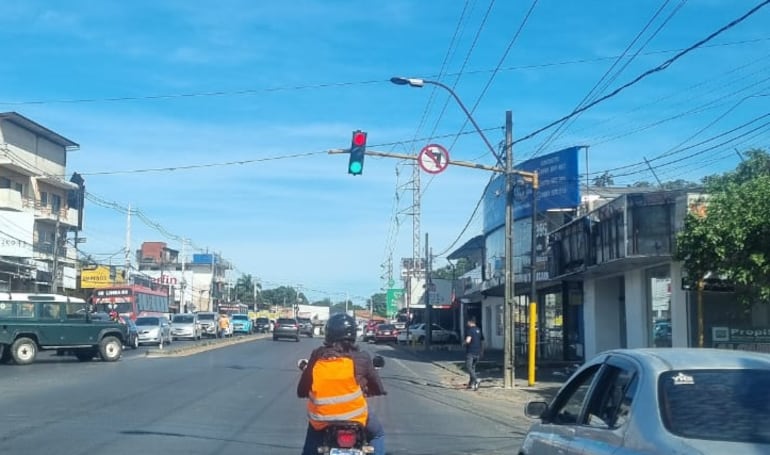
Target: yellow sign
<point x="99" y="277"/>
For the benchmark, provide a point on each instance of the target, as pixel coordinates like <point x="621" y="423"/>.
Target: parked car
<point x="286" y="328"/>
<point x="262" y="325"/>
<point x="240" y="323"/>
<point x="438" y="334"/>
<point x="305" y="327"/>
<point x="154" y="330"/>
<point x="209" y="323"/>
<point x="666" y="400"/>
<point x="132" y="340"/>
<point x="385" y="333"/>
<point x="185" y="325"/>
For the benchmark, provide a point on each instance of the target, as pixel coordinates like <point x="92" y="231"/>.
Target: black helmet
<point x="340" y="327"/>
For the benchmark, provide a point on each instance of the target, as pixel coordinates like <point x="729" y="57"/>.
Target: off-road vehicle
<point x="30" y="323"/>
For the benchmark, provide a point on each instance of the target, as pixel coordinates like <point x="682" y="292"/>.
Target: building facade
<point x="194" y="285"/>
<point x="40" y="211"/>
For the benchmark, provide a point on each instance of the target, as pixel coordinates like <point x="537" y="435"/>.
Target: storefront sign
<point x="741" y="338"/>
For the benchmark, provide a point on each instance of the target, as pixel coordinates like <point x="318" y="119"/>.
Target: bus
<point x="130" y="300"/>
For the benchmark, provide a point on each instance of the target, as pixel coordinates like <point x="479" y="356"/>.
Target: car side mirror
<point x="535" y="409"/>
<point x="378" y="361"/>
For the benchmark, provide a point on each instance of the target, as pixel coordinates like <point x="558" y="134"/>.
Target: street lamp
<point x="508" y="373"/>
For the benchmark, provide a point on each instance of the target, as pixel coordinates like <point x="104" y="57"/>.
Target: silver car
<point x="153" y="330"/>
<point x="650" y="401"/>
<point x="185" y="325"/>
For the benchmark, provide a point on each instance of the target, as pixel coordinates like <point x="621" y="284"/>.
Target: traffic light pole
<point x="509" y="172"/>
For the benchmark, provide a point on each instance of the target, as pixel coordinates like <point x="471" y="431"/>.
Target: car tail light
<point x="346" y="438"/>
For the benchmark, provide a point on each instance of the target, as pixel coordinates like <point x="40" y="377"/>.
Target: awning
<point x="471" y="248"/>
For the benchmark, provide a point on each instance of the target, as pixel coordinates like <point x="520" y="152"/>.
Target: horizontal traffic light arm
<point x="530" y="177"/>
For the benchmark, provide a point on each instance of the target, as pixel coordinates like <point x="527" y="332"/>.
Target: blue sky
<point x="148" y="84"/>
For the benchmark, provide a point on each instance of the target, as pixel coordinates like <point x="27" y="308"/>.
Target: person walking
<point x="473" y="350"/>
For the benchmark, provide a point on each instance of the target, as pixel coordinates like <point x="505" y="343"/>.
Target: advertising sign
<point x="559" y="185"/>
<point x="559" y="188"/>
<point x="394" y="301"/>
<point x="16" y="233"/>
<point x="98" y="277"/>
<point x="741" y="338"/>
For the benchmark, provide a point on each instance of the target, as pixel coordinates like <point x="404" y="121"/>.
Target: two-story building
<point x="39" y="208"/>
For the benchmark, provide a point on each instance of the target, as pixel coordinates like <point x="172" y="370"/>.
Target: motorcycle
<point x="342" y="437"/>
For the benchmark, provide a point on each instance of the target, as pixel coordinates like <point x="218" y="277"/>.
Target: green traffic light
<point x="356" y="167"/>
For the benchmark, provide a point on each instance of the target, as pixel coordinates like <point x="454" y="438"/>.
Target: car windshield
<point x="287" y="321"/>
<point x="206" y="317"/>
<point x="184" y="319"/>
<point x="147" y="321"/>
<point x="240" y="317"/>
<point x="386" y="327"/>
<point x="262" y="321"/>
<point x="724" y="405"/>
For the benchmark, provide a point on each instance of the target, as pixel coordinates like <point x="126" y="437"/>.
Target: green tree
<point x="283" y="296"/>
<point x="604" y="180"/>
<point x="452" y="272"/>
<point x="732" y="237"/>
<point x="378" y="302"/>
<point x="245" y="289"/>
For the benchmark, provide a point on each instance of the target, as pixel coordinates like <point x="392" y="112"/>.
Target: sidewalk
<point x="548" y="379"/>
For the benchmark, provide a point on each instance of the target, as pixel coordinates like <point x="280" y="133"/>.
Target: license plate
<point x="334" y="451"/>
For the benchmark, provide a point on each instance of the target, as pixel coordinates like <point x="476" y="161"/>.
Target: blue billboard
<point x="559" y="188"/>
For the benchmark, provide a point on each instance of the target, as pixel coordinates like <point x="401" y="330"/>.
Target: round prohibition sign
<point x="433" y="158"/>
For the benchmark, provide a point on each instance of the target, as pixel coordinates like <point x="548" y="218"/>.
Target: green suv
<point x="35" y="322"/>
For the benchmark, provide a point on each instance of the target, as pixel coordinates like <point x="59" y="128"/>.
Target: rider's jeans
<point x="315" y="438"/>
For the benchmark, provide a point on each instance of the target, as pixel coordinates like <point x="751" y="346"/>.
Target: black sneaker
<point x="476" y="385"/>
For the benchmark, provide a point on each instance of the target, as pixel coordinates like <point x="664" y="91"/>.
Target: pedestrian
<point x="473" y="351"/>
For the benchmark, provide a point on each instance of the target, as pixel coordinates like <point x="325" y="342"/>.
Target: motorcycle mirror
<point x="378" y="361"/>
<point x="302" y="364"/>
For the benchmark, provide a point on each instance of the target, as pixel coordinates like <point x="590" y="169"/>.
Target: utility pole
<point x="533" y="297"/>
<point x="183" y="283"/>
<point x="128" y="244"/>
<point x="509" y="332"/>
<point x="55" y="271"/>
<point x="428" y="304"/>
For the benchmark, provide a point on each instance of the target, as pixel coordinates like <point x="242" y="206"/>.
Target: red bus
<point x="130" y="300"/>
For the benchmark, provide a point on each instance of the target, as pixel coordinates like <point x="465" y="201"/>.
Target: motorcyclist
<point x="340" y="343"/>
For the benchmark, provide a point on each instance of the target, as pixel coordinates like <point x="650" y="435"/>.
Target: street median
<point x="214" y="343"/>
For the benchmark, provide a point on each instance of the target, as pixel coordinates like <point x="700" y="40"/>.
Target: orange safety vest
<point x="335" y="394"/>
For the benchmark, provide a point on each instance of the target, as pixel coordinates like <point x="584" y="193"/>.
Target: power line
<point x="598" y="88"/>
<point x="647" y="73"/>
<point x="254" y="91"/>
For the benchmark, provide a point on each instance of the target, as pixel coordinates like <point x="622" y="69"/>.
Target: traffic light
<point x="357" y="153"/>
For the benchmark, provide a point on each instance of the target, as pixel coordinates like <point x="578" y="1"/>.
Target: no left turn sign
<point x="433" y="158"/>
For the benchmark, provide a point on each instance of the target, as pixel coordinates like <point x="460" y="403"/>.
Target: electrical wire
<point x="647" y="73"/>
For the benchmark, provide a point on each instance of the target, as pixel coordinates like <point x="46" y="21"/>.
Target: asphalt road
<point x="235" y="399"/>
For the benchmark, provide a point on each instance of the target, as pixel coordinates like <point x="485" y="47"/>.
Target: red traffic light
<point x="359" y="139"/>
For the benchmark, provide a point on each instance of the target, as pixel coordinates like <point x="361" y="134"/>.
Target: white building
<point x="39" y="208"/>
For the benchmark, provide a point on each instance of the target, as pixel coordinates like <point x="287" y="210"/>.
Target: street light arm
<point x="415" y="82"/>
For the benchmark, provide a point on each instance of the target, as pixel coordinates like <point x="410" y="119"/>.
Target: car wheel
<point x="421" y="340"/>
<point x="110" y="348"/>
<point x="160" y="342"/>
<point x="297" y="339"/>
<point x="24" y="351"/>
<point x="135" y="344"/>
